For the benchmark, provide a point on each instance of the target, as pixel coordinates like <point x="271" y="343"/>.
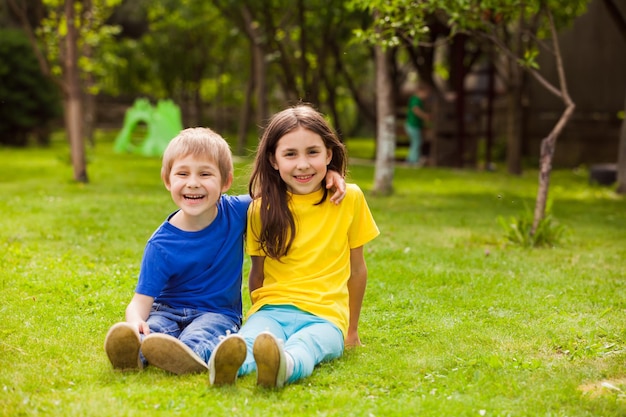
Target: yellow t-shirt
<point x="314" y="275"/>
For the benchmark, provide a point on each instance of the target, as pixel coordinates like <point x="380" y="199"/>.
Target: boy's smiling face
<point x="195" y="185"/>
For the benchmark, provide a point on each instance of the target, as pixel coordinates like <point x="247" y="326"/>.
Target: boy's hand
<point x="142" y="327"/>
<point x="336" y="181"/>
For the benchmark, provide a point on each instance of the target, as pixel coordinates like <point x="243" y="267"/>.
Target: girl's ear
<point x="273" y="163"/>
<point x="329" y="155"/>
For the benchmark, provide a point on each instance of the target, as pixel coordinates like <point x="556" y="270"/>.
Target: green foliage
<point x="96" y="40"/>
<point x="518" y="230"/>
<point x="530" y="58"/>
<point x="184" y="52"/>
<point x="29" y="100"/>
<point x="409" y="19"/>
<point x="454" y="321"/>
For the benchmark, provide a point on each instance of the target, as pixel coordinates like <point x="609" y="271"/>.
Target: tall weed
<point x="518" y="230"/>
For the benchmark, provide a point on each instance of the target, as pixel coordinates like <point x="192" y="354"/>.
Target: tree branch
<point x="545" y="83"/>
<point x="559" y="61"/>
<point x="23" y="18"/>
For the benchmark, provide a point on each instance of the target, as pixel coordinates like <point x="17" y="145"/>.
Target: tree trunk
<point x="89" y="107"/>
<point x="331" y="103"/>
<point x="491" y="93"/>
<point x="246" y="113"/>
<point x="514" y="125"/>
<point x="357" y="95"/>
<point x="621" y="157"/>
<point x="304" y="64"/>
<point x="514" y="105"/>
<point x="386" y="125"/>
<point x="620" y="21"/>
<point x="73" y="102"/>
<point x="548" y="144"/>
<point x="259" y="65"/>
<point x="274" y="43"/>
<point x="88" y="97"/>
<point x="458" y="73"/>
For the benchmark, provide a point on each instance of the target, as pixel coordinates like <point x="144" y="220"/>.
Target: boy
<point x="188" y="296"/>
<point x="189" y="288"/>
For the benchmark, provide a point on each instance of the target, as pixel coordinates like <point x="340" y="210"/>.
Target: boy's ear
<point x="227" y="183"/>
<point x="166" y="182"/>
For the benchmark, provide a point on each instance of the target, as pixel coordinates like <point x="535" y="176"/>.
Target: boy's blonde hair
<point x="200" y="142"/>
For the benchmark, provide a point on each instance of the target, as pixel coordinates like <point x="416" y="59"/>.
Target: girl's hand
<point x="336" y="181"/>
<point x="352" y="340"/>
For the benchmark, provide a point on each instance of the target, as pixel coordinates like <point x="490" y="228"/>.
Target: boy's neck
<point x="188" y="223"/>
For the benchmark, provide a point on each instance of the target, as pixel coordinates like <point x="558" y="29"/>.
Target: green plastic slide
<point x="163" y="122"/>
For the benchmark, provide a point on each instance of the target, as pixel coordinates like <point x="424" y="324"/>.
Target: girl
<point x="308" y="274"/>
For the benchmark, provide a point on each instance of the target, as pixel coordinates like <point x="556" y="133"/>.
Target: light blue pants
<point x="197" y="329"/>
<point x="415" y="141"/>
<point x="309" y="339"/>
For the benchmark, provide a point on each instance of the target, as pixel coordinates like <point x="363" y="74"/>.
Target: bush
<point x="30" y="101"/>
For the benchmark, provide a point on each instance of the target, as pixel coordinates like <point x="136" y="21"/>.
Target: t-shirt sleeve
<point x="153" y="273"/>
<point x="363" y="228"/>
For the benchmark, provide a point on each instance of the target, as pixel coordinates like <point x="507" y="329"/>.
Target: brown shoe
<point x="270" y="361"/>
<point x="169" y="353"/>
<point x="226" y="359"/>
<point x="122" y="344"/>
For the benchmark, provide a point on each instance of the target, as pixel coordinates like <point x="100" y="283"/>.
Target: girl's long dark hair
<point x="277" y="223"/>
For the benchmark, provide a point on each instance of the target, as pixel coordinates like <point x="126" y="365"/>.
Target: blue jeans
<point x="415" y="141"/>
<point x="197" y="329"/>
<point x="309" y="339"/>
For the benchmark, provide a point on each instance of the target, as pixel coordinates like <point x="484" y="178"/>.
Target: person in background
<point x="415" y="119"/>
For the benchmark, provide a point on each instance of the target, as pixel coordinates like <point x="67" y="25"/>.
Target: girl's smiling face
<point x="301" y="159"/>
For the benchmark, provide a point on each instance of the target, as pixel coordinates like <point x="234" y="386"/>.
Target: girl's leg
<point x="204" y="331"/>
<point x="313" y="343"/>
<point x="309" y="339"/>
<point x="266" y="319"/>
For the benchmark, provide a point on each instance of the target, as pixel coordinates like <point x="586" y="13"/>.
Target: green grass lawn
<point x="455" y="321"/>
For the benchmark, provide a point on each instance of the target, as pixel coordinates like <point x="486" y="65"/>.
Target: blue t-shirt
<point x="198" y="270"/>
